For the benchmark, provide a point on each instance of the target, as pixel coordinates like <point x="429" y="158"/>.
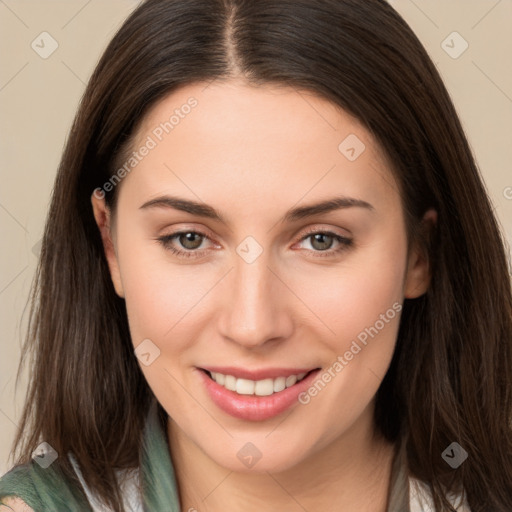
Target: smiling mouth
<point x="264" y="387"/>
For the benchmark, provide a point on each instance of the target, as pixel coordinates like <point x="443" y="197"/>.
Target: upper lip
<point x="261" y="374"/>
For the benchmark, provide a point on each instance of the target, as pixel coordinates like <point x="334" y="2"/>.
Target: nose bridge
<point x="254" y="311"/>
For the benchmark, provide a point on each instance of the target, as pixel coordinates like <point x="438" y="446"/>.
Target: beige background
<point x="38" y="99"/>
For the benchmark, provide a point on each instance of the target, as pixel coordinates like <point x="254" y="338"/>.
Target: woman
<point x="270" y="279"/>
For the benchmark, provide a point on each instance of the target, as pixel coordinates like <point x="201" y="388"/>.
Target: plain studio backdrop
<point x="49" y="49"/>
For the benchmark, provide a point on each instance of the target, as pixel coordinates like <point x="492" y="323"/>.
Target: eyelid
<point x="320" y="229"/>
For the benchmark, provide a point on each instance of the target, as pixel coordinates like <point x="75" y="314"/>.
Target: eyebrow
<point x="294" y="214"/>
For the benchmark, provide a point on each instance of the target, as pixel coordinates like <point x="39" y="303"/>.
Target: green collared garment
<point x="46" y="490"/>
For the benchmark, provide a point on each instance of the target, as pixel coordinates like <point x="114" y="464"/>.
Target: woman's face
<point x="292" y="260"/>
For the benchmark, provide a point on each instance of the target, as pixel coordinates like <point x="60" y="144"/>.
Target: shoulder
<point x="14" y="504"/>
<point x="17" y="488"/>
<point x="28" y="487"/>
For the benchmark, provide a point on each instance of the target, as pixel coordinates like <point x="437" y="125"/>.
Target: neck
<point x="351" y="474"/>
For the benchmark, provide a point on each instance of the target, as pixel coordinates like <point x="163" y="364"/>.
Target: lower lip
<point x="252" y="407"/>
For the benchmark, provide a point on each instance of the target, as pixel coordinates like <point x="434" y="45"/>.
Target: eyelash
<point x="344" y="242"/>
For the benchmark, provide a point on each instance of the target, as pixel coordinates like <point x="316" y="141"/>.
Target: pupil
<point x="189" y="238"/>
<point x="318" y="238"/>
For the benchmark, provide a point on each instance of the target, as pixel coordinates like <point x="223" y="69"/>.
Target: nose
<point x="257" y="308"/>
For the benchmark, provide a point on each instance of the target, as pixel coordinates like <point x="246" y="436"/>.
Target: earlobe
<point x="418" y="275"/>
<point x="102" y="216"/>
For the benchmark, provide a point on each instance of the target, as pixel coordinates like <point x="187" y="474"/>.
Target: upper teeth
<point x="263" y="387"/>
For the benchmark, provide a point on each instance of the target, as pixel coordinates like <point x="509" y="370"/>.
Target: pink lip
<point x="252" y="407"/>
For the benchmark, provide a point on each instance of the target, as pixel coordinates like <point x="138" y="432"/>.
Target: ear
<point x="418" y="274"/>
<point x="102" y="215"/>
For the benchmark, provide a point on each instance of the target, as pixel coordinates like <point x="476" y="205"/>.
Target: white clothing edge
<point x="420" y="497"/>
<point x="129" y="483"/>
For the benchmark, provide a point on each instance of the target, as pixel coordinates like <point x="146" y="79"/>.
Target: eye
<point x="190" y="240"/>
<point x="322" y="241"/>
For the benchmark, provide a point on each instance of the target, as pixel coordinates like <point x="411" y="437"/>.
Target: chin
<point x="251" y="459"/>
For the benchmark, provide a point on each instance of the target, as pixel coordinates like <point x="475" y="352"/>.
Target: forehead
<point x="264" y="144"/>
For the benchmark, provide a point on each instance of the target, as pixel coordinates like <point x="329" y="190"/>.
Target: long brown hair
<point x="450" y="377"/>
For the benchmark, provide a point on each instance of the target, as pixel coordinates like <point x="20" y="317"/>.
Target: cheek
<point x="352" y="295"/>
<point x="362" y="305"/>
<point x="365" y="320"/>
<point x="160" y="296"/>
<point x="160" y="299"/>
